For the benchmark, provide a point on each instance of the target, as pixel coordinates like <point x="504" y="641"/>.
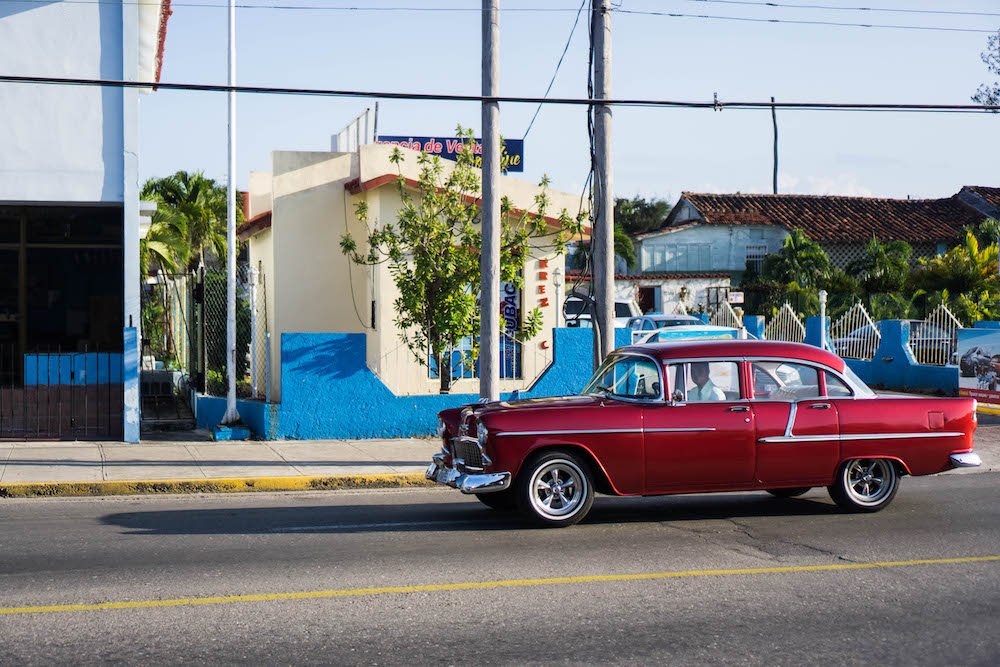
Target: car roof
<point x="659" y="316"/>
<point x="738" y="348"/>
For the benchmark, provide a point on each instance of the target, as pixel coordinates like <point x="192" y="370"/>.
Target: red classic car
<point x="702" y="417"/>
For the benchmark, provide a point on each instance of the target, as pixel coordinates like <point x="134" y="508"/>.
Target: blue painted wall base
<point x="328" y="391"/>
<point x="230" y="433"/>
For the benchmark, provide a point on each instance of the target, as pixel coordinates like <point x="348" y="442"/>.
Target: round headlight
<point x="483" y="433"/>
<point x="442" y="428"/>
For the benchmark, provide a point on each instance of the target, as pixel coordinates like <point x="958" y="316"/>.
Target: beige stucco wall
<point x="313" y="287"/>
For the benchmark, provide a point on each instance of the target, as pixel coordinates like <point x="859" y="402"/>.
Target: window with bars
<point x="755" y="258"/>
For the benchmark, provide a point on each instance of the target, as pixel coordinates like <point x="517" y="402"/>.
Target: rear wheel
<point x="865" y="485"/>
<point x="555" y="489"/>
<point x="502" y="501"/>
<point x="789" y="493"/>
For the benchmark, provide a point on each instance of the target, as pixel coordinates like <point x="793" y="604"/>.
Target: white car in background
<point x="577" y="314"/>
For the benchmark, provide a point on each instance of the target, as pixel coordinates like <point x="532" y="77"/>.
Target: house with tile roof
<point x="731" y="232"/>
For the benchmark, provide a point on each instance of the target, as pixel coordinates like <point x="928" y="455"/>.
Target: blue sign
<point x="511" y="154"/>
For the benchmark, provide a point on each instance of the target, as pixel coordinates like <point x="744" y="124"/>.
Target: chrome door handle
<point x="820" y="406"/>
<point x="740" y="408"/>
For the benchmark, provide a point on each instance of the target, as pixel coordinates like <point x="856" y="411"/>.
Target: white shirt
<point x="707" y="392"/>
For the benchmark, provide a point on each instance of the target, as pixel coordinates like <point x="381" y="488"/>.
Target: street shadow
<point x="330" y="360"/>
<point x="461" y="516"/>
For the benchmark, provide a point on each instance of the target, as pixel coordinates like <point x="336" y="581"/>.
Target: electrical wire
<point x="717" y="105"/>
<point x="887" y="10"/>
<point x="618" y="10"/>
<point x="569" y="40"/>
<point x="838" y="24"/>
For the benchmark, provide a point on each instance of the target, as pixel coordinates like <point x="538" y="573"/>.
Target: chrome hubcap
<point x="869" y="481"/>
<point x="558" y="489"/>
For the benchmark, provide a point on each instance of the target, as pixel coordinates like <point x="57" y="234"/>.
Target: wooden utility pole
<point x="489" y="265"/>
<point x="774" y="121"/>
<point x="602" y="243"/>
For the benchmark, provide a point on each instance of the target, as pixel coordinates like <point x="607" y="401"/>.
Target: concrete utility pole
<point x="489" y="265"/>
<point x="232" y="415"/>
<point x="602" y="243"/>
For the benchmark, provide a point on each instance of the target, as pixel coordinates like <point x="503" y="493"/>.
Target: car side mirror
<point x="677" y="396"/>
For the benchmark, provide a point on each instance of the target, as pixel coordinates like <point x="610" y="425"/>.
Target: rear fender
<point x="901" y="466"/>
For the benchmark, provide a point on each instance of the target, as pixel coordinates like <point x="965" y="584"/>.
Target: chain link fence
<point x="184" y="328"/>
<point x="252" y="349"/>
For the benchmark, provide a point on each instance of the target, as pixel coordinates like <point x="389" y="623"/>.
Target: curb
<point x="988" y="409"/>
<point x="233" y="485"/>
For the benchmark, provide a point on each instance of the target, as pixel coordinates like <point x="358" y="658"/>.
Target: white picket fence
<point x="725" y="316"/>
<point x="785" y="325"/>
<point x="855" y="335"/>
<point x="933" y="340"/>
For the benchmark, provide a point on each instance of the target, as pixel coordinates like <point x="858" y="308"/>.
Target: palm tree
<point x="165" y="245"/>
<point x="884" y="267"/>
<point x="201" y="201"/>
<point x="800" y="260"/>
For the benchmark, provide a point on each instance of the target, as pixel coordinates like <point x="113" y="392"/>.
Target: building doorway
<point x="647" y="298"/>
<point x="61" y="305"/>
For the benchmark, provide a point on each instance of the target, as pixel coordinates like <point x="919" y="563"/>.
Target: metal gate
<point x="56" y="395"/>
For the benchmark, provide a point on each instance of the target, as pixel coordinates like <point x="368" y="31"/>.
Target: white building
<point x="69" y="212"/>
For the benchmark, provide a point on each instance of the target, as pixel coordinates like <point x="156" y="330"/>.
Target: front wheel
<point x="865" y="485"/>
<point x="555" y="489"/>
<point x="789" y="493"/>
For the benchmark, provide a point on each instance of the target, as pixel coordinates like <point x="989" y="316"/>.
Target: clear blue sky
<point x="657" y="152"/>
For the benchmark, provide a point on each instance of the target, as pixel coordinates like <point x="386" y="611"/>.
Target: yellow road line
<point x="479" y="585"/>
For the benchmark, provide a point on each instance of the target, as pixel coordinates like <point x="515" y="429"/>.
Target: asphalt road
<point x="730" y="580"/>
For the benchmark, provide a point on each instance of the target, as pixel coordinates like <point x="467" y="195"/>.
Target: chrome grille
<point x="468" y="450"/>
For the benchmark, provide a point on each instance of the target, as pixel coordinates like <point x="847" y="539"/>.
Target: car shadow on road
<point x="460" y="516"/>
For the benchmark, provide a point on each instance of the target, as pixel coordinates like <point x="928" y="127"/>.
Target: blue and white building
<point x="70" y="216"/>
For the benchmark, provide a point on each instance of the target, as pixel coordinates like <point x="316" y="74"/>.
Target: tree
<point x="432" y="252"/>
<point x="800" y="260"/>
<point x="884" y="268"/>
<point x="165" y="244"/>
<point x="989" y="93"/>
<point x="639" y="215"/>
<point x="201" y="202"/>
<point x="624" y="247"/>
<point x="968" y="268"/>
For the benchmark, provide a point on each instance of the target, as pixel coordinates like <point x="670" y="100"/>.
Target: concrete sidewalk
<point x="193" y="460"/>
<point x="200" y="460"/>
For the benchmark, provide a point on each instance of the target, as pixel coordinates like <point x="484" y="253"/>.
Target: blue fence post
<point x="130" y="384"/>
<point x="815" y="330"/>
<point x="754" y="324"/>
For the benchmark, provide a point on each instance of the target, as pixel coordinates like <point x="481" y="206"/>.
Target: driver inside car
<point x="704" y="389"/>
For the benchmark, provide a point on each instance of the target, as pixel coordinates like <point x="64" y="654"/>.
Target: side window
<point x="835" y="387"/>
<point x="784" y="381"/>
<point x="629" y="377"/>
<point x="635" y="323"/>
<point x="703" y="381"/>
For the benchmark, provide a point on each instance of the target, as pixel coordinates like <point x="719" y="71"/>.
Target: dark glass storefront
<point x="61" y="303"/>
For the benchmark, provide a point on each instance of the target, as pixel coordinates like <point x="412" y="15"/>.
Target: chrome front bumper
<point x="966" y="460"/>
<point x="486" y="482"/>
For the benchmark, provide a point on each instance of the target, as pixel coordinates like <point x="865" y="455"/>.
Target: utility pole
<point x="489" y="263"/>
<point x="231" y="416"/>
<point x="602" y="243"/>
<point x="774" y="121"/>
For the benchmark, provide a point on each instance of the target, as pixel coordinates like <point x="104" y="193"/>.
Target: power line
<point x="892" y="10"/>
<point x="558" y="65"/>
<point x="839" y="24"/>
<point x="555" y="9"/>
<point x="717" y="105"/>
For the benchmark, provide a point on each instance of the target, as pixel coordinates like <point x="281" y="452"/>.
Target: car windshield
<point x="574" y="307"/>
<point x="626" y="376"/>
<point x="622" y="310"/>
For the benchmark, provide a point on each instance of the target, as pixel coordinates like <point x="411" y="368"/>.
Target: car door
<point x="797" y="427"/>
<point x="701" y="438"/>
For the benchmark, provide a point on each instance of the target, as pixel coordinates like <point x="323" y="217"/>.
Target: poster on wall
<point x="510" y="358"/>
<point x="979" y="364"/>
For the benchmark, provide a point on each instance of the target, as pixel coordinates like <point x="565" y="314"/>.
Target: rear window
<point x="575" y="307"/>
<point x="622" y="310"/>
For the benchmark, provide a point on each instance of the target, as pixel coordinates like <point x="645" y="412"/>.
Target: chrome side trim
<point x="966" y="460"/>
<point x="692" y="429"/>
<point x="571" y="431"/>
<point x="575" y="431"/>
<point x="791" y="419"/>
<point x="860" y="436"/>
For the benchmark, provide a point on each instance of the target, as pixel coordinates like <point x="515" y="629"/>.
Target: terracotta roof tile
<point x="991" y="195"/>
<point x="841" y="219"/>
